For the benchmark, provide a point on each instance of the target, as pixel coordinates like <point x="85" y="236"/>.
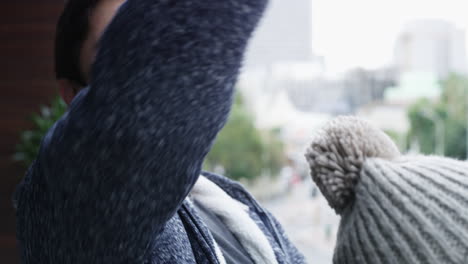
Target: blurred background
<point x="402" y="65"/>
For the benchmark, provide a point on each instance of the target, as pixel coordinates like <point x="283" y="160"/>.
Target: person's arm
<point x="119" y="164"/>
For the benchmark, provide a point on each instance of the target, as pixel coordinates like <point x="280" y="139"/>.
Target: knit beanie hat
<point x="393" y="208"/>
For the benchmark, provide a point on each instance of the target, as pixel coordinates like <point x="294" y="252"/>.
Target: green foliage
<point x="422" y="128"/>
<point x="30" y="140"/>
<point x="273" y="156"/>
<point x="455" y="138"/>
<point x="400" y="139"/>
<point x="449" y="113"/>
<point x="242" y="150"/>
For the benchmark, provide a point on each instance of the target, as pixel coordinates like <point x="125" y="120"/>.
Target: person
<point x="394" y="208"/>
<point x="117" y="178"/>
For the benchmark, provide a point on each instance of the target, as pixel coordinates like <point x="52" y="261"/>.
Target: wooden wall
<point x="27" y="30"/>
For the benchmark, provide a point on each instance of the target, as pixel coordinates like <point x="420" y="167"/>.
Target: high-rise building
<point x="280" y="53"/>
<point x="283" y="35"/>
<point x="431" y="46"/>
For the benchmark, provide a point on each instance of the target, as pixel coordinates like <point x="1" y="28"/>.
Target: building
<point x="280" y="57"/>
<point x="362" y="86"/>
<point x="426" y="51"/>
<point x="431" y="46"/>
<point x="320" y="95"/>
<point x="391" y="112"/>
<point x="283" y="35"/>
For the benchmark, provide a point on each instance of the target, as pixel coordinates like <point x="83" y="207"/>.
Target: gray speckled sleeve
<point x="120" y="162"/>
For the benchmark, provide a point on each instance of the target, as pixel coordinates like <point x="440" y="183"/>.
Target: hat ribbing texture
<point x="396" y="209"/>
<point x="412" y="211"/>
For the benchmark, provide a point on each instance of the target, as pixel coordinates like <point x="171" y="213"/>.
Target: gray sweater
<point x="109" y="183"/>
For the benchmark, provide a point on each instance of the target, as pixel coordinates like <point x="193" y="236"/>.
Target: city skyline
<point x="431" y="46"/>
<point x="362" y="33"/>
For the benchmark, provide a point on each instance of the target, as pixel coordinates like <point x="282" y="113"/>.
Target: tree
<point x="242" y="150"/>
<point x="30" y="140"/>
<point x="449" y="115"/>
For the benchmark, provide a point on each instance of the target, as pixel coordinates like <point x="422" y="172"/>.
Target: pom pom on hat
<point x="337" y="153"/>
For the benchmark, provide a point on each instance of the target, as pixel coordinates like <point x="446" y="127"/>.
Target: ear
<point x="67" y="90"/>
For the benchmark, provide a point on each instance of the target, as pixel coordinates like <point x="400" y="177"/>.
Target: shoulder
<point x="266" y="221"/>
<point x="235" y="189"/>
<point x="224" y="182"/>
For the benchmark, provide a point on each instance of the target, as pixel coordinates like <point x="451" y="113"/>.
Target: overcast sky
<point x="353" y="33"/>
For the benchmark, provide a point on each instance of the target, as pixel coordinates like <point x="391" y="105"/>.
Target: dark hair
<point x="72" y="30"/>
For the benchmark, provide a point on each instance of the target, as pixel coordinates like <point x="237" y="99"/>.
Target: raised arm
<point x="120" y="162"/>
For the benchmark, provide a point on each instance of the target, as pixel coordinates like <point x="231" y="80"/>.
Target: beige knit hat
<point x="394" y="208"/>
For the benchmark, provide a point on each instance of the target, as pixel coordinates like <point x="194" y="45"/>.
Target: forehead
<point x="102" y="15"/>
<point x="99" y="19"/>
